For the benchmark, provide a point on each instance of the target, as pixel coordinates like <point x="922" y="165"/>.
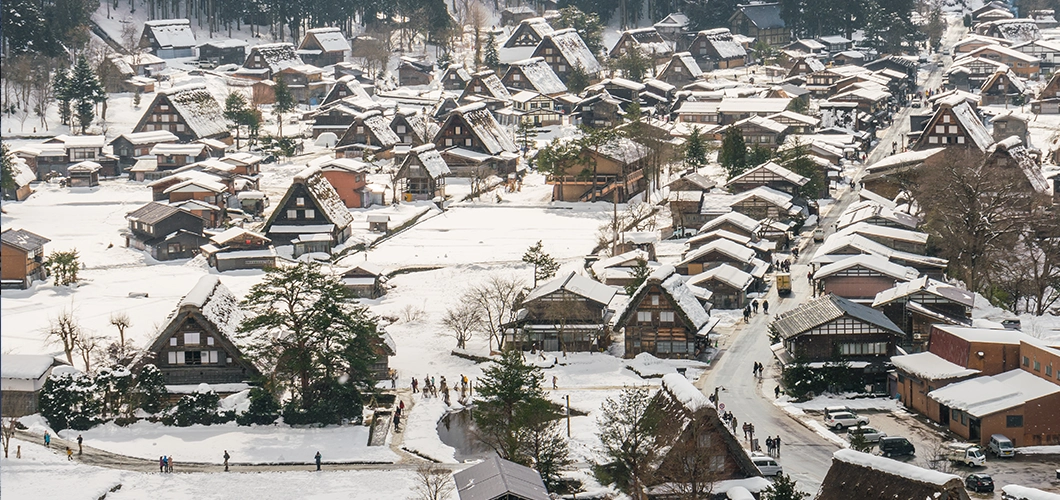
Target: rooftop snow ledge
<point x="683" y="390"/>
<point x="894" y="467"/>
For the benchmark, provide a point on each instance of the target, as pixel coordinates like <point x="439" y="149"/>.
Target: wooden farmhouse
<point x="832" y="327"/>
<point x="22" y="179"/>
<point x="197" y="343"/>
<point x="681" y="70"/>
<point x="533" y="74"/>
<point x="716" y="49"/>
<point x="1048" y="101"/>
<point x="498" y="478"/>
<point x="569" y="313"/>
<point x="762" y="22"/>
<point x="900" y="239"/>
<point x="455" y="77"/>
<point x="759" y="131"/>
<point x="665" y="318"/>
<point x="854" y="474"/>
<point x="21" y="258"/>
<point x="619" y="174"/>
<point x="226" y="51"/>
<point x="529" y="33"/>
<point x="922" y="372"/>
<point x="917" y="304"/>
<point x="486" y="87"/>
<point x="190" y="112"/>
<point x="729" y="285"/>
<point x="168" y="38"/>
<point x="954" y="125"/>
<point x="763" y="202"/>
<point x="310" y="215"/>
<point x="323" y="46"/>
<point x="422" y="174"/>
<point x="1002" y="88"/>
<point x="165" y="232"/>
<point x="238" y="248"/>
<point x="734" y="222"/>
<point x="860" y="277"/>
<point x="368" y="134"/>
<point x="266" y="60"/>
<point x="413" y="71"/>
<point x="129" y="147"/>
<point x="413" y="129"/>
<point x="84" y="174"/>
<point x="346" y="87"/>
<point x="691" y="431"/>
<point x="771" y="175"/>
<point x="364" y="280"/>
<point x="647" y="41"/>
<point x="470" y="138"/>
<point x="564" y="50"/>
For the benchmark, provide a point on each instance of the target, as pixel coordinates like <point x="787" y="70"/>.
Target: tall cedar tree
<point x="695" y="150"/>
<point x="306" y="326"/>
<point x="733" y="156"/>
<point x="633" y="64"/>
<point x="87" y="92"/>
<point x="285" y="103"/>
<point x="63" y="94"/>
<point x="797" y="159"/>
<point x="559" y="159"/>
<point x="545" y="266"/>
<point x="627" y="428"/>
<point x="7" y="169"/>
<point x="510" y="399"/>
<point x="638" y="274"/>
<point x="526" y="132"/>
<point x="235" y="109"/>
<point x="490" y="58"/>
<point x="783" y="488"/>
<point x="578" y="79"/>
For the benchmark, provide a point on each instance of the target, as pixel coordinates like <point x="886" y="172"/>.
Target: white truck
<point x="968" y="454"/>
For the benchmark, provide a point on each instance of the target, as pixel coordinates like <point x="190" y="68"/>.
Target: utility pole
<point x="568" y="415"/>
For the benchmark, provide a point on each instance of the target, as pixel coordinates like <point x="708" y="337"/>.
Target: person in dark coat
<point x="79" y="441"/>
<point x="227" y="456"/>
<point x="317" y="458"/>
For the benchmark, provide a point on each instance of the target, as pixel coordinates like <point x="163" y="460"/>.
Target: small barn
<point x="854" y="474"/>
<point x="422" y="174"/>
<point x="168" y="38"/>
<point x="364" y="280"/>
<point x="21" y="378"/>
<point x="84" y="174"/>
<point x="496" y="478"/>
<point x="238" y="248"/>
<point x="21" y="258"/>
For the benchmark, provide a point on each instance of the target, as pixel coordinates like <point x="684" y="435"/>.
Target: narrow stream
<point x="455" y="429"/>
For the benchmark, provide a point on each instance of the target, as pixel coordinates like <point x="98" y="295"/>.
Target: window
<point x="191" y="338"/>
<point x="654" y="300"/>
<point x="179" y="358"/>
<point x="467" y="142"/>
<point x="180" y="127"/>
<point x="1048" y="370"/>
<point x="213" y="357"/>
<point x="310" y="214"/>
<point x="644" y="316"/>
<point x="299" y="202"/>
<point x="292" y="214"/>
<point x="955" y="414"/>
<point x="172" y="357"/>
<point x="662" y="347"/>
<point x="360" y="129"/>
<point x="172" y="341"/>
<point x="953" y="129"/>
<point x="666" y="316"/>
<point x="1014" y="421"/>
<point x="517" y="76"/>
<point x="193" y="357"/>
<point x="1026" y="361"/>
<point x="940" y="129"/>
<point x="964" y="418"/>
<point x="562" y="68"/>
<point x="448" y="142"/>
<point x="174" y="248"/>
<point x="960" y="139"/>
<point x="457" y="130"/>
<point x="1037" y="366"/>
<point x="478" y="88"/>
<point x="677" y="69"/>
<point x="401" y="129"/>
<point x="209" y="340"/>
<point x="945" y="118"/>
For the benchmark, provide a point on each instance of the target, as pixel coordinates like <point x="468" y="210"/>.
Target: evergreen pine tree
<point x="7" y="169"/>
<point x="87" y="91"/>
<point x="70" y="400"/>
<point x="285" y="103"/>
<point x="545" y="266"/>
<point x="151" y="392"/>
<point x="733" y="156"/>
<point x="235" y="111"/>
<point x="199" y="407"/>
<point x="858" y="441"/>
<point x="638" y="273"/>
<point x="510" y="398"/>
<point x="63" y="94"/>
<point x="263" y="410"/>
<point x="526" y="133"/>
<point x="695" y="150"/>
<point x="490" y="57"/>
<point x="783" y="488"/>
<point x="577" y="79"/>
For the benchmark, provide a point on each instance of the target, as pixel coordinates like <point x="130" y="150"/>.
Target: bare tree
<point x="692" y="465"/>
<point x="433" y="482"/>
<point x="121" y="321"/>
<point x="64" y="329"/>
<point x="462" y="320"/>
<point x="412" y="314"/>
<point x="10" y="425"/>
<point x="89" y="346"/>
<point x="936" y="458"/>
<point x="476" y="17"/>
<point x="496" y="299"/>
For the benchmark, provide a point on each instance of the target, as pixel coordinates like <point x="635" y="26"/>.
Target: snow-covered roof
<point x="703" y="238"/>
<point x="773" y="196"/>
<point x="85" y="167"/>
<point x="721" y="40"/>
<point x="576" y="284"/>
<point x="1017" y="492"/>
<point x="760" y="105"/>
<point x="894" y="467"/>
<point x="343" y="164"/>
<point x="169" y="149"/>
<point x="820" y="311"/>
<point x="492" y="86"/>
<point x="540" y="75"/>
<point x="985" y="335"/>
<point x="277" y="56"/>
<point x="930" y="366"/>
<point x="869" y="261"/>
<point x="894" y="233"/>
<point x="626" y="259"/>
<point x="682" y="390"/>
<point x="675" y="285"/>
<point x="926" y="285"/>
<point x="764" y="16"/>
<point x="986" y="395"/>
<point x="495" y="139"/>
<point x="684" y="59"/>
<point x="234" y="233"/>
<point x="735" y="218"/>
<point x="329" y="39"/>
<point x="148" y="137"/>
<point x="623" y="150"/>
<point x="432" y="160"/>
<point x="674" y="20"/>
<point x="216" y="303"/>
<point x="171" y="33"/>
<point x="25" y="366"/>
<point x="203" y="114"/>
<point x="726" y="274"/>
<point x="736" y="251"/>
<point x="833" y="247"/>
<point x="499" y="478"/>
<point x="904" y="158"/>
<point x="865" y="210"/>
<point x="969" y="120"/>
<point x="80" y="141"/>
<point x="774" y="169"/>
<point x="574" y="50"/>
<point x="325" y="197"/>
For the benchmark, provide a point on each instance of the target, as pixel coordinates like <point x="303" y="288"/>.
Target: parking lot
<point x="1035" y="471"/>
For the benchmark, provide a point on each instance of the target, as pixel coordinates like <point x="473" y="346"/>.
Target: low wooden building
<point x="761" y="21"/>
<point x="771" y="175"/>
<point x="225" y="51"/>
<point x="565" y="50"/>
<point x="860" y="277"/>
<point x="197" y="344"/>
<point x="920" y="373"/>
<point x="854" y="474"/>
<point x="21" y="258"/>
<point x="364" y="280"/>
<point x="619" y="174"/>
<point x="569" y="313"/>
<point x="500" y="479"/>
<point x="422" y="174"/>
<point x="665" y="319"/>
<point x="830" y="328"/>
<point x="84" y="174"/>
<point x="413" y="71"/>
<point x="323" y="46"/>
<point x="21" y="378"/>
<point x="129" y="147"/>
<point x="168" y="38"/>
<point x="729" y="285"/>
<point x="165" y="232"/>
<point x="311" y="206"/>
<point x="681" y="70"/>
<point x="916" y="305"/>
<point x="190" y="112"/>
<point x="717" y="49"/>
<point x="238" y="248"/>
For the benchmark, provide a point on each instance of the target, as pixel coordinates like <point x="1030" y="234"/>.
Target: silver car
<point x="871" y="435"/>
<point x="767" y="465"/>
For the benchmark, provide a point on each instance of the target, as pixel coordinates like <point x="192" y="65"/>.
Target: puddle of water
<point x="455" y="429"/>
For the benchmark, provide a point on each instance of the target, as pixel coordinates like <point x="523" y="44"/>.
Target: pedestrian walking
<point x="769" y="445"/>
<point x="776" y="392"/>
<point x="765" y="306"/>
<point x="751" y="429"/>
<point x="317" y="458"/>
<point x="227" y="456"/>
<point x="47" y="440"/>
<point x="397" y="421"/>
<point x="169" y="463"/>
<point x="776" y="444"/>
<point x="733" y="425"/>
<point x="162" y="464"/>
<point x="69" y="454"/>
<point x="401" y="406"/>
<point x="393" y="380"/>
<point x="414" y="384"/>
<point x="747" y="314"/>
<point x="165" y="463"/>
<point x="18" y="451"/>
<point x="79" y="441"/>
<point x="746" y="430"/>
<point x="754" y="306"/>
<point x="554" y="381"/>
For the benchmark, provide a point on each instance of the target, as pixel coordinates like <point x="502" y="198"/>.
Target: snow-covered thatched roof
<point x="200" y="110"/>
<point x="171" y="33"/>
<point x="573" y="49"/>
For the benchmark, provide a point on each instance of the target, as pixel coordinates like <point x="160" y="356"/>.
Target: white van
<point x="767" y="465"/>
<point x="1001" y="446"/>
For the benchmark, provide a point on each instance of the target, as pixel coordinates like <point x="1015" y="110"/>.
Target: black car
<point x="892" y="446"/>
<point x="979" y="483"/>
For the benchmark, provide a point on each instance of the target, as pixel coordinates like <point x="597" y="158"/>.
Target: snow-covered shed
<point x="22" y="257"/>
<point x="21" y="377"/>
<point x="311" y="206"/>
<point x="323" y="46"/>
<point x="716" y="49"/>
<point x="854" y="474"/>
<point x="168" y="38"/>
<point x="568" y="313"/>
<point x="499" y="478"/>
<point x="422" y="174"/>
<point x="665" y="318"/>
<point x="197" y="343"/>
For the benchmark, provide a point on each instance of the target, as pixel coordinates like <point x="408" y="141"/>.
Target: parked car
<point x="1001" y="446"/>
<point x="829" y="410"/>
<point x="871" y="435"/>
<point x="979" y="483"/>
<point x="892" y="446"/>
<point x="965" y="453"/>
<point x="841" y="420"/>
<point x="767" y="465"/>
<point x="818" y="234"/>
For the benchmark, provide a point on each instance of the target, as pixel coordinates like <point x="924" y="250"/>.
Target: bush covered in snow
<point x="263" y="410"/>
<point x="70" y="400"/>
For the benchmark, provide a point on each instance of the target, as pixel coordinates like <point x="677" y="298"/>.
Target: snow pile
<point x="930" y="366"/>
<point x="894" y="467"/>
<point x="27" y="366"/>
<point x="683" y="390"/>
<point x="1024" y="493"/>
<point x="648" y="366"/>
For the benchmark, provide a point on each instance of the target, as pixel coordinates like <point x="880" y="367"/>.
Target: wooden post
<point x="568" y="415"/>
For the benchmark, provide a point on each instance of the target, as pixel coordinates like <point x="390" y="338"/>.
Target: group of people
<point x="785" y="264"/>
<point x="752" y="308"/>
<point x="757" y="369"/>
<point x="48" y="444"/>
<point x="165" y="463"/>
<point x="432" y="390"/>
<point x="773" y="445"/>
